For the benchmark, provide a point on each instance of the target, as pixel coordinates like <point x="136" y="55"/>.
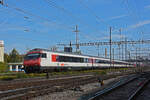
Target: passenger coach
<point x="42" y="60"/>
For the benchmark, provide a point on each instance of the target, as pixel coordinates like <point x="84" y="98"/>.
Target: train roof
<point x="72" y="53"/>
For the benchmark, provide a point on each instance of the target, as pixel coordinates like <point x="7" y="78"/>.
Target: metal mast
<point x="76" y="31"/>
<point x="110" y="46"/>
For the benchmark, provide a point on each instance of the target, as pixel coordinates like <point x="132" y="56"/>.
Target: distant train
<point x="42" y="60"/>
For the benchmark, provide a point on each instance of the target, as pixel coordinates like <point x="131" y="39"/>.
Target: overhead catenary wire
<point x="98" y="19"/>
<point x="53" y="4"/>
<point x="37" y="16"/>
<point x="33" y="15"/>
<point x="4" y="21"/>
<point x="136" y="16"/>
<point x="139" y="17"/>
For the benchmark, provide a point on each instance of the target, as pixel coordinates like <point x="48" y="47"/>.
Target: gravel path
<point x="73" y="94"/>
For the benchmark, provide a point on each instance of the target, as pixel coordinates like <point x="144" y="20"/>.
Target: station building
<point x="16" y="67"/>
<point x="1" y="51"/>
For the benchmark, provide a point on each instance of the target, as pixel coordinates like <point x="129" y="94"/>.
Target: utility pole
<point x="113" y="56"/>
<point x="122" y="49"/>
<point x="76" y="31"/>
<point x="110" y="46"/>
<point x="119" y="44"/>
<point x="136" y="56"/>
<point x="129" y="55"/>
<point x="125" y="48"/>
<point x="105" y="52"/>
<point x="98" y="50"/>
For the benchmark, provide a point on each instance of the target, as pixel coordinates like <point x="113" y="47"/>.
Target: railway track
<point x="143" y="92"/>
<point x="22" y="83"/>
<point x="44" y="87"/>
<point x="9" y="85"/>
<point x="33" y="88"/>
<point x="125" y="89"/>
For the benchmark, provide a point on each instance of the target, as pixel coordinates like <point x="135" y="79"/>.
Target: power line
<point x="108" y="43"/>
<point x="99" y="20"/>
<point x="37" y="16"/>
<point x="53" y="4"/>
<point x="135" y="15"/>
<point x="30" y="14"/>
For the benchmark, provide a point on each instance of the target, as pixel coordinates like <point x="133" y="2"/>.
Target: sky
<point x="28" y="24"/>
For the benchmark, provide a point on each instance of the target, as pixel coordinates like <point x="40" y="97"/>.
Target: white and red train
<point x="42" y="60"/>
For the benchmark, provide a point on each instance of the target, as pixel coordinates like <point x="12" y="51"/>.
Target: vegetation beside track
<point x="19" y="75"/>
<point x="3" y="67"/>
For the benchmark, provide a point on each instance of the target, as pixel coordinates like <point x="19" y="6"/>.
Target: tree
<point x="14" y="56"/>
<point x="6" y="58"/>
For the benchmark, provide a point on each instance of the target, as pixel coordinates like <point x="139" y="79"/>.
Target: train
<point x="43" y="60"/>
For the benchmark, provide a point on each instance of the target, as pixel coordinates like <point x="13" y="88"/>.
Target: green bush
<point x="21" y="75"/>
<point x="7" y="78"/>
<point x="3" y="67"/>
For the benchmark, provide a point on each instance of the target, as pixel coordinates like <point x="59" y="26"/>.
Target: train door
<point x="93" y="63"/>
<point x="44" y="59"/>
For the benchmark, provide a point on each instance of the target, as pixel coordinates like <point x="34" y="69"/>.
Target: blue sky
<point x="27" y="24"/>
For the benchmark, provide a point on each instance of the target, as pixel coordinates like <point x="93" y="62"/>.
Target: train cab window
<point x="44" y="55"/>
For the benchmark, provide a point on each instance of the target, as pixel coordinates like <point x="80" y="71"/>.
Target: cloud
<point x="114" y="36"/>
<point x="147" y="7"/>
<point x="117" y="17"/>
<point x="55" y="25"/>
<point x="139" y="24"/>
<point x="98" y="38"/>
<point x="13" y="28"/>
<point x="98" y="2"/>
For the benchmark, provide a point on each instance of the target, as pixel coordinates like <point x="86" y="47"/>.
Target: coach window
<point x="85" y="60"/>
<point x="81" y="60"/>
<point x="61" y="58"/>
<point x="44" y="55"/>
<point x="57" y="58"/>
<point x="106" y="62"/>
<point x="97" y="61"/>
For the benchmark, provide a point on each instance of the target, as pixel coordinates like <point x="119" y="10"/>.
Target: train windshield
<point x="32" y="56"/>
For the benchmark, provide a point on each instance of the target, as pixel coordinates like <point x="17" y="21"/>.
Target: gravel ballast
<point x="74" y="93"/>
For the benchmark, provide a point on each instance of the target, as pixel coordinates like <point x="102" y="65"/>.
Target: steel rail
<point x="10" y="94"/>
<point x="139" y="89"/>
<point x="114" y="86"/>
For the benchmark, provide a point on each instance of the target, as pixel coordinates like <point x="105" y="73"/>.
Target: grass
<point x="19" y="75"/>
<point x="79" y="72"/>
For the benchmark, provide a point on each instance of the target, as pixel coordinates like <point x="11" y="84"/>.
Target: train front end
<point x="32" y="61"/>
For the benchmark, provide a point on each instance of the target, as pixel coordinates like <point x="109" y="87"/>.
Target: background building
<point x="16" y="67"/>
<point x="1" y="51"/>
